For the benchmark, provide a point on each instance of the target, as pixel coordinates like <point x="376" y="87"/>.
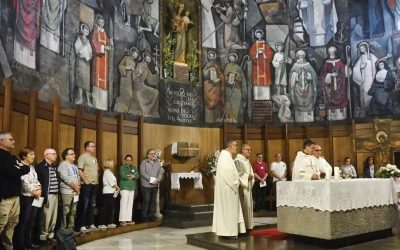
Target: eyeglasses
<point x="318" y="150"/>
<point x="248" y="149"/>
<point x="71" y="154"/>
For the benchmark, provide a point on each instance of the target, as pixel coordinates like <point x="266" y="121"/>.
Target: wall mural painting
<point x="208" y="62"/>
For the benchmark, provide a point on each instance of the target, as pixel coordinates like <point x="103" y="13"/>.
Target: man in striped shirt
<point x="49" y="179"/>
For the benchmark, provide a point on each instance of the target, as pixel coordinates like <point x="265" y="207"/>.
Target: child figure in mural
<point x="333" y="91"/>
<point x="303" y="88"/>
<point x="83" y="55"/>
<point x="380" y="91"/>
<point x="145" y="98"/>
<point x="101" y="46"/>
<point x="261" y="57"/>
<point x="279" y="62"/>
<point x="364" y="74"/>
<point x="126" y="67"/>
<point x="214" y="83"/>
<point x="235" y="91"/>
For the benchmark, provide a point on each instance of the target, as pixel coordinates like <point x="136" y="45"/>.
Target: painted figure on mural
<point x="380" y="91"/>
<point x="235" y="91"/>
<point x="319" y="20"/>
<point x="134" y="11"/>
<point x="261" y="57"/>
<point x="52" y="24"/>
<point x="394" y="6"/>
<point x="101" y="45"/>
<point x="145" y="93"/>
<point x="214" y="84"/>
<point x="142" y="44"/>
<point x="279" y="62"/>
<point x="364" y="74"/>
<point x="284" y="113"/>
<point x="303" y="88"/>
<point x="181" y="24"/>
<point x="27" y="27"/>
<point x="83" y="55"/>
<point x="333" y="88"/>
<point x="126" y="67"/>
<point x="149" y="20"/>
<point x="379" y="17"/>
<point x="208" y="33"/>
<point x="231" y="19"/>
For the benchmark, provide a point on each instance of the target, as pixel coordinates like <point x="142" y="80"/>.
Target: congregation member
<point x="303" y="166"/>
<point x="69" y="187"/>
<point x="278" y="171"/>
<point x="320" y="163"/>
<point x="369" y="167"/>
<point x="10" y="189"/>
<point x="348" y="170"/>
<point x="49" y="179"/>
<point x="260" y="169"/>
<point x="246" y="179"/>
<point x="227" y="216"/>
<point x="31" y="190"/>
<point x="89" y="174"/>
<point x="129" y="175"/>
<point x="151" y="174"/>
<point x="110" y="192"/>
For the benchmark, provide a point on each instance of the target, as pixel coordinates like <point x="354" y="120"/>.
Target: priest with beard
<point x="228" y="217"/>
<point x="303" y="166"/>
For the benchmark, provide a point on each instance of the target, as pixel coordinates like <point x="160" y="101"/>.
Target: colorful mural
<point x="207" y="62"/>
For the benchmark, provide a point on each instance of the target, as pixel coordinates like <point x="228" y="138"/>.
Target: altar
<point x="334" y="209"/>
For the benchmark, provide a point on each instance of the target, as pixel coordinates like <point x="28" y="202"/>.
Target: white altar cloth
<point x="336" y="195"/>
<point x="198" y="180"/>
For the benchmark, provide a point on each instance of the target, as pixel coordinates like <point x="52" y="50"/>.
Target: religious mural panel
<point x="208" y="62"/>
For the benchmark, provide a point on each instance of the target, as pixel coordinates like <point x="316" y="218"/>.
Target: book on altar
<point x="153" y="180"/>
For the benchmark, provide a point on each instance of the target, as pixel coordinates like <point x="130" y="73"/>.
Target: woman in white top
<point x="348" y="170"/>
<point x="110" y="191"/>
<point x="31" y="189"/>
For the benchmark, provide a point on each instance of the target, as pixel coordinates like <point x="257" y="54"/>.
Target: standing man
<point x="10" y="189"/>
<point x="89" y="173"/>
<point x="303" y="166"/>
<point x="151" y="174"/>
<point x="279" y="172"/>
<point x="320" y="163"/>
<point x="49" y="179"/>
<point x="228" y="217"/>
<point x="246" y="179"/>
<point x="260" y="169"/>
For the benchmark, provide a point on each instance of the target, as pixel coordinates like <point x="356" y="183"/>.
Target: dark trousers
<point x="260" y="194"/>
<point x="27" y="218"/>
<point x="107" y="215"/>
<point x="149" y="202"/>
<point x="87" y="201"/>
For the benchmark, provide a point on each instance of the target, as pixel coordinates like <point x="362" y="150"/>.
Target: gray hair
<point x="4" y="134"/>
<point x="228" y="142"/>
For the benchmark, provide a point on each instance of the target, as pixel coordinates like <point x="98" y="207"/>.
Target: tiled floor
<point x="156" y="238"/>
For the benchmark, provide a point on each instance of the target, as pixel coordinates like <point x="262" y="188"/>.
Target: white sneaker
<point x="103" y="227"/>
<point x="83" y="230"/>
<point x="111" y="226"/>
<point x="93" y="228"/>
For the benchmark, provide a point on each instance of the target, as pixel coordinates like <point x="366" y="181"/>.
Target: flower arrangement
<point x="388" y="171"/>
<point x="165" y="165"/>
<point x="212" y="162"/>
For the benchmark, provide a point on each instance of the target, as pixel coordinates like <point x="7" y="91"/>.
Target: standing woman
<point x="110" y="191"/>
<point x="129" y="175"/>
<point x="369" y="168"/>
<point x="31" y="189"/>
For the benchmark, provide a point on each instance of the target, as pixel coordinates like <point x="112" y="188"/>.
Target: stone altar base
<point x="336" y="225"/>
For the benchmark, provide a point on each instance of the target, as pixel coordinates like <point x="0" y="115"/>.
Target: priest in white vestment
<point x="320" y="163"/>
<point x="228" y="217"/>
<point x="303" y="166"/>
<point x="246" y="179"/>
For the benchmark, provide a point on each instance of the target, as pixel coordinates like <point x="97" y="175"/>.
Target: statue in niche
<point x="261" y="57"/>
<point x="83" y="55"/>
<point x="126" y="68"/>
<point x="380" y="91"/>
<point x="319" y="20"/>
<point x="364" y="74"/>
<point x="181" y="24"/>
<point x="235" y="91"/>
<point x="27" y="26"/>
<point x="333" y="88"/>
<point x="101" y="45"/>
<point x="214" y="83"/>
<point x="52" y="25"/>
<point x="303" y="88"/>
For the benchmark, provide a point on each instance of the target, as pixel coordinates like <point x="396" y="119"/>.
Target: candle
<point x="336" y="172"/>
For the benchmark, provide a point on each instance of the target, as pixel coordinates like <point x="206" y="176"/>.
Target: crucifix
<point x="156" y="55"/>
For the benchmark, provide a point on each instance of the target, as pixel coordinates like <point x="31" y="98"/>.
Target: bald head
<point x="50" y="155"/>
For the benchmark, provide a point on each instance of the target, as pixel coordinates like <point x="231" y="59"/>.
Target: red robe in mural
<point x="334" y="88"/>
<point x="100" y="59"/>
<point x="261" y="56"/>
